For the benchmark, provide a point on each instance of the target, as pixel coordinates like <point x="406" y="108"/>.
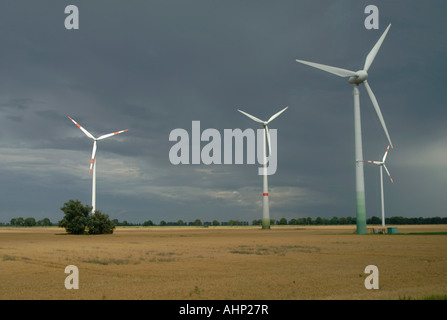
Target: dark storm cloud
<point x="154" y="66"/>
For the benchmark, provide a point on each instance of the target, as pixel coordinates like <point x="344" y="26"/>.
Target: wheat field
<point x="217" y="263"/>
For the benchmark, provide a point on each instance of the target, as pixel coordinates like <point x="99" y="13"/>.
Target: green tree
<point x="44" y="222"/>
<point x="163" y="223"/>
<point x="13" y="222"/>
<point x="374" y="220"/>
<point x="334" y="221"/>
<point x="20" y="221"/>
<point x="436" y="220"/>
<point x="342" y="220"/>
<point x="282" y="221"/>
<point x="29" y="222"/>
<point x="76" y="217"/>
<point x="148" y="223"/>
<point x="180" y="222"/>
<point x="197" y="222"/>
<point x="350" y="220"/>
<point x="99" y="223"/>
<point x="216" y="223"/>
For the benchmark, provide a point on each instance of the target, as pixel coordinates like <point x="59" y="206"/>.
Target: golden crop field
<point x="284" y="263"/>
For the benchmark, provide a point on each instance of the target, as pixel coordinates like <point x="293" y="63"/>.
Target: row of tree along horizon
<point x="399" y="220"/>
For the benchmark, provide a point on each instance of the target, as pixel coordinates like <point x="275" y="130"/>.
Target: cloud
<point x="152" y="67"/>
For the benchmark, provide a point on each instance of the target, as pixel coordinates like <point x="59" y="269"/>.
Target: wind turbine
<point x="356" y="78"/>
<point x="93" y="161"/>
<point x="382" y="165"/>
<point x="265" y="191"/>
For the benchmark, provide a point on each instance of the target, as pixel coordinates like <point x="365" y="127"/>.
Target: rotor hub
<point x="360" y="77"/>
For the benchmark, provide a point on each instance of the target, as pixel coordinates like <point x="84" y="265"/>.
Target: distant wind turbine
<point x="356" y="78"/>
<point x="93" y="161"/>
<point x="265" y="194"/>
<point x="382" y="165"/>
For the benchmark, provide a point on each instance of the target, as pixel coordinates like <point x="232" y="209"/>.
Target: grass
<point x="425" y="233"/>
<point x="106" y="262"/>
<point x="195" y="291"/>
<point x="224" y="263"/>
<point x="8" y="258"/>
<point x="277" y="250"/>
<point x="431" y="297"/>
<point x="436" y="297"/>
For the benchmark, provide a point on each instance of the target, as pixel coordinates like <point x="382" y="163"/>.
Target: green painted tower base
<point x="266" y="223"/>
<point x="361" y="213"/>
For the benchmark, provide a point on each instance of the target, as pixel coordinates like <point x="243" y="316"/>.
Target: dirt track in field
<point x="290" y="262"/>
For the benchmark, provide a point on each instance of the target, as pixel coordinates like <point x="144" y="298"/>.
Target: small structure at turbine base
<point x="266" y="224"/>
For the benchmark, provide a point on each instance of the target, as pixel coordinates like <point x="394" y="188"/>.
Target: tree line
<point x="28" y="222"/>
<point x="398" y="220"/>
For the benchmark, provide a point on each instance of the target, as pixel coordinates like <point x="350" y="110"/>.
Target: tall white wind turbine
<point x="382" y="165"/>
<point x="356" y="78"/>
<point x="93" y="161"/>
<point x="265" y="191"/>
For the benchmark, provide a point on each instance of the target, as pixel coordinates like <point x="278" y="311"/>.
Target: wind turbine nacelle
<point x="361" y="76"/>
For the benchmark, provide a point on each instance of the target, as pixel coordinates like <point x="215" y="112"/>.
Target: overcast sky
<point x="155" y="66"/>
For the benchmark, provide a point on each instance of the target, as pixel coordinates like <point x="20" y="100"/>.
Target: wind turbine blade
<point x="268" y="139"/>
<point x="375" y="162"/>
<point x="386" y="153"/>
<point x="93" y="156"/>
<point x="88" y="134"/>
<point x="337" y="71"/>
<point x="372" y="54"/>
<point x="251" y="117"/>
<point x="379" y="113"/>
<point x="111" y="134"/>
<point x="388" y="174"/>
<point x="276" y="115"/>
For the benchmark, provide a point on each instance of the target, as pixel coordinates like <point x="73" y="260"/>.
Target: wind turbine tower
<point x="265" y="191"/>
<point x="93" y="160"/>
<point x="382" y="165"/>
<point x="356" y="78"/>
